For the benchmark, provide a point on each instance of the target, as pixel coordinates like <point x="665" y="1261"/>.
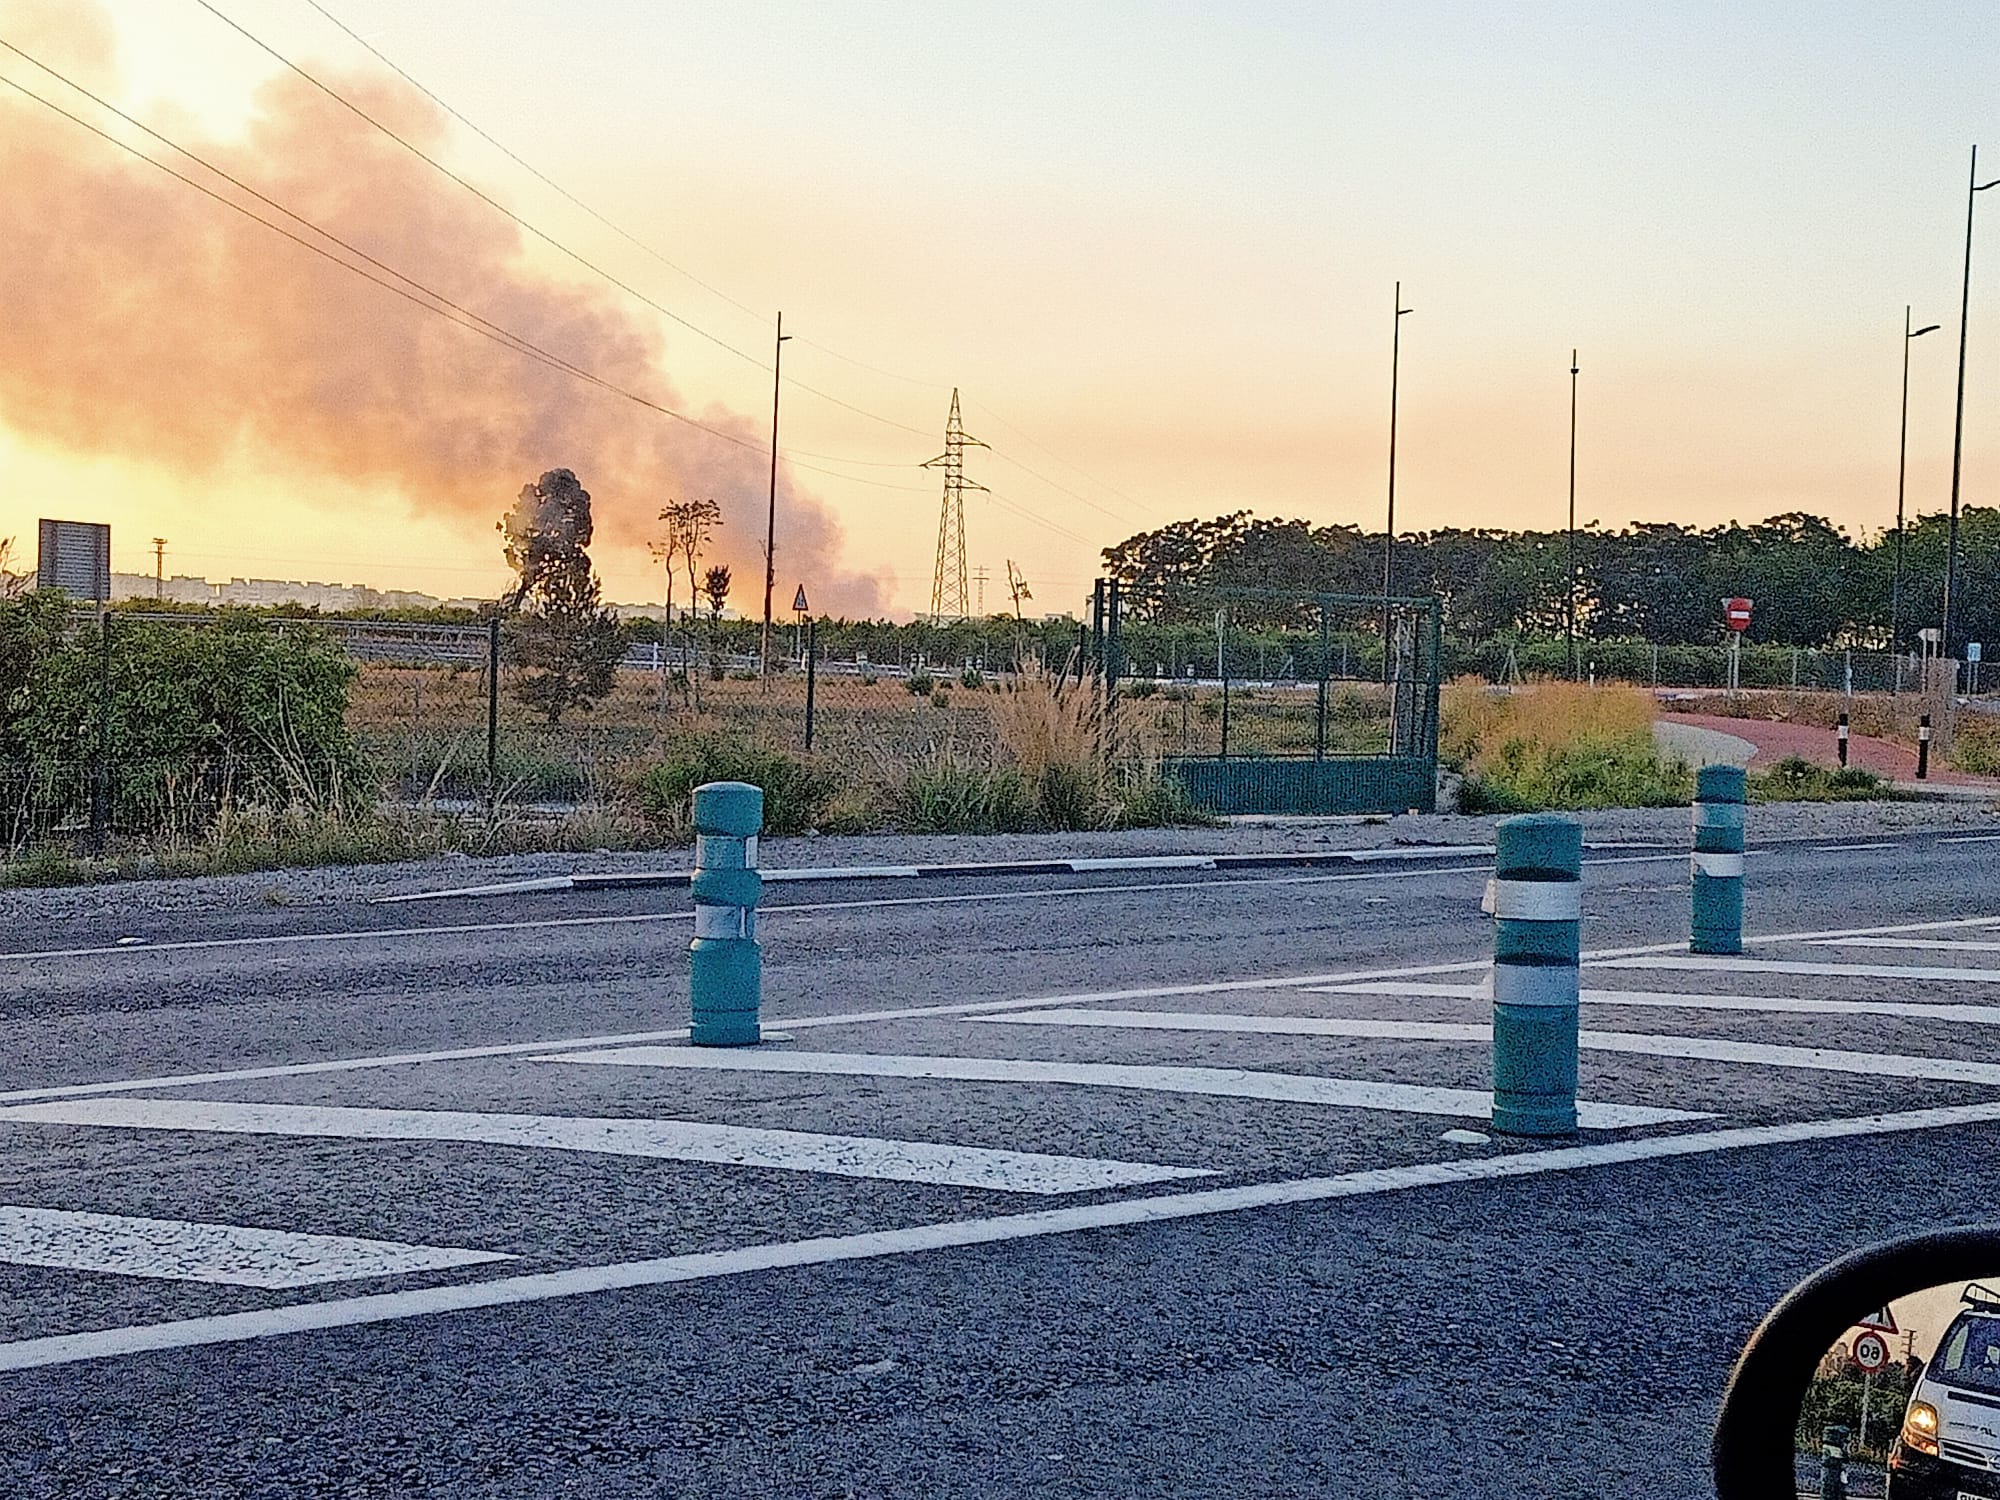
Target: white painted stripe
<point x="1698" y="1048"/>
<point x="226" y="1254"/>
<point x="1933" y="945"/>
<point x="349" y="1312"/>
<point x="1722" y="965"/>
<point x="1973" y="838"/>
<point x="1850" y="848"/>
<point x="1144" y="862"/>
<point x="843" y="872"/>
<point x="1234" y="1083"/>
<point x="666" y="1140"/>
<point x="1970" y="1015"/>
<point x="1717" y="866"/>
<point x="1538" y="900"/>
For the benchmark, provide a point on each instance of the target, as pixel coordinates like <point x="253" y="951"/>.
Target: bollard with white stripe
<point x="1840" y="739"/>
<point x="1923" y="747"/>
<point x="1717" y="871"/>
<point x="1537" y="941"/>
<point x="725" y="965"/>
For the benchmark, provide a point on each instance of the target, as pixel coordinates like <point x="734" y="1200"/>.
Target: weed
<point x="1795" y="779"/>
<point x="946" y="795"/>
<point x="919" y="684"/>
<point x="796" y="791"/>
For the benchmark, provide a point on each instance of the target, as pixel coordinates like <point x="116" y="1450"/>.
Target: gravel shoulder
<point x="23" y="910"/>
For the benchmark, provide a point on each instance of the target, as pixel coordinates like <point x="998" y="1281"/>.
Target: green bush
<point x="1150" y="800"/>
<point x="972" y="678"/>
<point x="797" y="792"/>
<point x="1593" y="770"/>
<point x="948" y="796"/>
<point x="1141" y="687"/>
<point x="1796" y="779"/>
<point x="919" y="684"/>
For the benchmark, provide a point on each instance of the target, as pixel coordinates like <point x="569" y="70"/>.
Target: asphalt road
<point x="475" y="1227"/>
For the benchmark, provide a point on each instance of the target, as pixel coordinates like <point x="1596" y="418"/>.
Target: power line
<point x="539" y="233"/>
<point x="437" y="304"/>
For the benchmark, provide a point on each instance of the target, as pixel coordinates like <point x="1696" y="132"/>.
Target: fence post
<point x="1923" y="747"/>
<point x="1222" y="671"/>
<point x="725" y="964"/>
<point x="492" y="713"/>
<point x="1840" y="739"/>
<point x="100" y="771"/>
<point x="812" y="677"/>
<point x="1717" y="867"/>
<point x="1537" y="944"/>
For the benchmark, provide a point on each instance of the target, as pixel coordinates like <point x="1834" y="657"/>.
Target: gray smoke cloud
<point x="144" y="321"/>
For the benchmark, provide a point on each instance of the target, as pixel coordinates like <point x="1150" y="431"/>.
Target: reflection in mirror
<point x="1906" y="1404"/>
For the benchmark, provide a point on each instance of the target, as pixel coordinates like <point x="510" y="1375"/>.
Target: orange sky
<point x="1153" y="242"/>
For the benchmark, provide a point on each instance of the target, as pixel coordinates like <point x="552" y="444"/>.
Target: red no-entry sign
<point x="1736" y="614"/>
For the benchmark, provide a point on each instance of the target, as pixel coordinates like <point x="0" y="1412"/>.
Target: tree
<point x="715" y="589"/>
<point x="12" y="584"/>
<point x="567" y="639"/>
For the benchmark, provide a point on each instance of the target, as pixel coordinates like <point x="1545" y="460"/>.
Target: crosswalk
<point x="546" y="1159"/>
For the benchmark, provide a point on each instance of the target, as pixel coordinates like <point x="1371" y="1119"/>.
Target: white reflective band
<point x="708" y="846"/>
<point x="1924" y="733"/>
<point x="1843" y="731"/>
<point x="1718" y="865"/>
<point x="1535" y="984"/>
<point x="722" y="921"/>
<point x="1538" y="900"/>
<point x="1718" y="815"/>
<point x="750" y="852"/>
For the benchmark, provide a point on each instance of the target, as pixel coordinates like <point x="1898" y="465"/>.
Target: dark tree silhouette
<point x="566" y="639"/>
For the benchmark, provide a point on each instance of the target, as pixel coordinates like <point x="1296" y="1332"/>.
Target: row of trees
<point x="1813" y="584"/>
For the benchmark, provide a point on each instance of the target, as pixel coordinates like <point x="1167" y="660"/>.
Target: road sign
<point x="1972" y="651"/>
<point x="1871" y="1352"/>
<point x="799" y="600"/>
<point x="76" y="558"/>
<point x="1736" y="614"/>
<point x="1881" y="1322"/>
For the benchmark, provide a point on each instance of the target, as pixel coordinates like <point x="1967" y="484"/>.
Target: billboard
<point x="75" y="556"/>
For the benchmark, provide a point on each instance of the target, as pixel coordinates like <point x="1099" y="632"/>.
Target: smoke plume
<point x="145" y="321"/>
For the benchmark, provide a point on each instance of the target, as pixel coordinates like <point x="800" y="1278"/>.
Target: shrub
<point x="1150" y="800"/>
<point x="1975" y="745"/>
<point x="1796" y="779"/>
<point x="946" y="795"/>
<point x="1557" y="745"/>
<point x="1141" y="687"/>
<point x="797" y="792"/>
<point x="941" y="699"/>
<point x="919" y="684"/>
<point x="972" y="678"/>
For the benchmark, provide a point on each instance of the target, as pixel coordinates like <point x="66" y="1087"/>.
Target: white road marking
<point x="666" y="1140"/>
<point x="1698" y="1048"/>
<point x="226" y="1254"/>
<point x="1850" y="848"/>
<point x="1234" y="1083"/>
<point x="1723" y="965"/>
<point x="1972" y="838"/>
<point x="1971" y="1015"/>
<point x="348" y="1312"/>
<point x="1936" y="944"/>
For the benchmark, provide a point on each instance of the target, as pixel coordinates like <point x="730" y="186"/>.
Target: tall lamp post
<point x="1569" y="545"/>
<point x="1389" y="531"/>
<point x="771" y="519"/>
<point x="1902" y="456"/>
<point x="1973" y="187"/>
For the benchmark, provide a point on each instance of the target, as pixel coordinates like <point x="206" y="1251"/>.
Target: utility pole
<point x="1902" y="456"/>
<point x="948" y="590"/>
<point x="979" y="581"/>
<point x="1389" y="531"/>
<point x="1017" y="588"/>
<point x="1569" y="549"/>
<point x="1973" y="187"/>
<point x="771" y="520"/>
<point x="159" y="567"/>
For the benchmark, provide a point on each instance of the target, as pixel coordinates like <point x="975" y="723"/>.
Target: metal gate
<point x="1265" y="700"/>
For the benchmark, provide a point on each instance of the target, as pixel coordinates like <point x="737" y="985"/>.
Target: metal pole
<point x="492" y="709"/>
<point x="100" y="773"/>
<point x="1902" y="458"/>
<point x="812" y="676"/>
<point x="1319" y="713"/>
<point x="1569" y="554"/>
<point x="771" y="518"/>
<point x="1222" y="671"/>
<point x="1389" y="530"/>
<point x="1973" y="187"/>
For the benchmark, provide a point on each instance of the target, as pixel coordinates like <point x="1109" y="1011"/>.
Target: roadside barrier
<point x="725" y="964"/>
<point x="1923" y="747"/>
<point x="1537" y="942"/>
<point x="1840" y="741"/>
<point x="1717" y="867"/>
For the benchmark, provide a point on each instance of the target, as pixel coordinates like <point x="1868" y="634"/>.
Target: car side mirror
<point x="1878" y="1375"/>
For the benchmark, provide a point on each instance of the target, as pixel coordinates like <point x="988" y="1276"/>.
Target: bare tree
<point x="12" y="584"/>
<point x="690" y="526"/>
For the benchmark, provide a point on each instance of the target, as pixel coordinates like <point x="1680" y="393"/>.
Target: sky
<point x="1154" y="245"/>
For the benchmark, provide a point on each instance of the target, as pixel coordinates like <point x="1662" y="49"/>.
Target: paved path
<point x="1064" y="1186"/>
<point x="1774" y="739"/>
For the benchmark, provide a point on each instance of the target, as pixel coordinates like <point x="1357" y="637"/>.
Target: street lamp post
<point x="1902" y="455"/>
<point x="1973" y="187"/>
<point x="1569" y="547"/>
<point x="1389" y="531"/>
<point x="771" y="518"/>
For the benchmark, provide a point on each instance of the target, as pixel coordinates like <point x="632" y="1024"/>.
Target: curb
<point x="678" y="879"/>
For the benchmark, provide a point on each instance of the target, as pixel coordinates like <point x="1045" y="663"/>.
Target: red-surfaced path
<point x="1776" y="739"/>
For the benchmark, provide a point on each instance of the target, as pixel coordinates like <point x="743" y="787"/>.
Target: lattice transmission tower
<point x="949" y="595"/>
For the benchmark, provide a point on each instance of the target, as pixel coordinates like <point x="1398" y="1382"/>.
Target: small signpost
<point x="1735" y="615"/>
<point x="1871" y="1355"/>
<point x="1871" y="1351"/>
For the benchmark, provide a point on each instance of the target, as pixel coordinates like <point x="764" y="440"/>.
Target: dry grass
<point x="1557" y="744"/>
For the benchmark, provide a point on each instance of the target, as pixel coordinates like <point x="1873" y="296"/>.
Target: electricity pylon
<point x="948" y="586"/>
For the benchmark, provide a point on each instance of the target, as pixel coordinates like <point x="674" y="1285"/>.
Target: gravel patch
<point x="341" y="885"/>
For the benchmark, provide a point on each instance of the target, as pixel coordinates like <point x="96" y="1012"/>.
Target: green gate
<point x="1265" y="700"/>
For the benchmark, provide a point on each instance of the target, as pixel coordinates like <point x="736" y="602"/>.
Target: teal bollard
<point x="725" y="965"/>
<point x="1717" y="870"/>
<point x="1537" y="943"/>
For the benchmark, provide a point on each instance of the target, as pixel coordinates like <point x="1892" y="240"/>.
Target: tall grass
<point x="1557" y="745"/>
<point x="1054" y="734"/>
